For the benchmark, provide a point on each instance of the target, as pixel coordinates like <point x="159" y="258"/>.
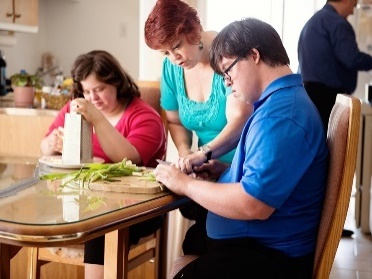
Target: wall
<point x="362" y="23"/>
<point x="78" y="27"/>
<point x="150" y="60"/>
<point x="68" y="28"/>
<point x="287" y="17"/>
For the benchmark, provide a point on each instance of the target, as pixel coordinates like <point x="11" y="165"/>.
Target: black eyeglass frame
<point x="226" y="76"/>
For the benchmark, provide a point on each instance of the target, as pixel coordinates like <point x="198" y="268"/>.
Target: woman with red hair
<point x="194" y="97"/>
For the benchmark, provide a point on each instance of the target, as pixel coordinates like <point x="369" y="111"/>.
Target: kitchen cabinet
<point x="19" y="15"/>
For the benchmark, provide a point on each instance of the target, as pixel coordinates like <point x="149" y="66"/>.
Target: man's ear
<point x="255" y="55"/>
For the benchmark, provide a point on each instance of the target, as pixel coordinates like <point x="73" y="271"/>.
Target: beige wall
<point x="68" y="28"/>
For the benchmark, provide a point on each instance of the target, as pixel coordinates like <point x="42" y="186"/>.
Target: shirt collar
<point x="278" y="84"/>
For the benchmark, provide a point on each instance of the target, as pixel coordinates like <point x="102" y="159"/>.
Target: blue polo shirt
<point x="328" y="52"/>
<point x="282" y="160"/>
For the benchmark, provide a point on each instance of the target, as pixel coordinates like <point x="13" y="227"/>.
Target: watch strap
<point x="206" y="149"/>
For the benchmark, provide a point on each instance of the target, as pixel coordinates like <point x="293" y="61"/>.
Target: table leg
<point x="161" y="250"/>
<point x="116" y="254"/>
<point x="32" y="257"/>
<point x="5" y="261"/>
<point x="7" y="252"/>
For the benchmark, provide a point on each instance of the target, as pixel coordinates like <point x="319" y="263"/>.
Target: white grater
<point x="77" y="140"/>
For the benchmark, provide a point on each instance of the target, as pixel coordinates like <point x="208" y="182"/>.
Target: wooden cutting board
<point x="128" y="184"/>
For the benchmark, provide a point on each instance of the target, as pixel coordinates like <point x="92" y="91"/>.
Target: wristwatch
<point x="206" y="149"/>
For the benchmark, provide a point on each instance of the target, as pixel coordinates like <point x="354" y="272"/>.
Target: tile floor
<point x="354" y="255"/>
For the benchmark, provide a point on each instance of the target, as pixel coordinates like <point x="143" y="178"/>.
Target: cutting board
<point x="128" y="184"/>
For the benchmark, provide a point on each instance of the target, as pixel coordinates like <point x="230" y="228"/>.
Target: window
<point x="286" y="16"/>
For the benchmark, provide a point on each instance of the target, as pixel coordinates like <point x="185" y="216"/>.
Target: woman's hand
<point x="55" y="141"/>
<point x="188" y="162"/>
<point x="86" y="109"/>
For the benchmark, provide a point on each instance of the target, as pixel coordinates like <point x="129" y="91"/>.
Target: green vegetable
<point x="96" y="171"/>
<point x="93" y="203"/>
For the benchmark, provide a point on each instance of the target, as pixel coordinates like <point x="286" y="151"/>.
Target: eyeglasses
<point x="225" y="73"/>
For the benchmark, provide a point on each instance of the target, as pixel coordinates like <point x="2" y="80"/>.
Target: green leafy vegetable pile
<point x="97" y="171"/>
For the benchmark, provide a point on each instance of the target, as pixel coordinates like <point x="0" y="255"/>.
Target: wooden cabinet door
<point x="26" y="12"/>
<point x="6" y="11"/>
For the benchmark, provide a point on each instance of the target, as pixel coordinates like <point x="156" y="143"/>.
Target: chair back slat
<point x="342" y="141"/>
<point x="150" y="93"/>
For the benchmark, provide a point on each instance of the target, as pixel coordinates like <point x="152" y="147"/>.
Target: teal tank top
<point x="206" y="119"/>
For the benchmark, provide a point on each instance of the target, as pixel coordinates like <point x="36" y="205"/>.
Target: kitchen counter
<point x="22" y="129"/>
<point x="7" y="101"/>
<point x="28" y="112"/>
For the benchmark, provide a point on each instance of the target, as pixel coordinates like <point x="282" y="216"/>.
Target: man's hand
<point x="212" y="170"/>
<point x="172" y="177"/>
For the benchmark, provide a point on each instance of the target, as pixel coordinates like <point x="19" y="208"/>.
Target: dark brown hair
<point x="107" y="69"/>
<point x="170" y="19"/>
<point x="239" y="38"/>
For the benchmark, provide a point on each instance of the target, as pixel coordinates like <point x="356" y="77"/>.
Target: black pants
<point x="245" y="258"/>
<point x="324" y="98"/>
<point x="195" y="241"/>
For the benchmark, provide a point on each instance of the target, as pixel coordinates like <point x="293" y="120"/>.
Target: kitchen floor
<point x="354" y="255"/>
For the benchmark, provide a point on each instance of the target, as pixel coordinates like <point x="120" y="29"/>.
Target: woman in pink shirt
<point x="124" y="126"/>
<point x="108" y="98"/>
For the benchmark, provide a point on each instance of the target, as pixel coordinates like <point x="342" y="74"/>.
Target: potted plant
<point x="24" y="86"/>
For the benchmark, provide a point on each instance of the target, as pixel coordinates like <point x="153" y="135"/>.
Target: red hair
<point x="169" y="20"/>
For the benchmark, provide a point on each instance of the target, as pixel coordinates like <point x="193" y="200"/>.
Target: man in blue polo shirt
<point x="264" y="211"/>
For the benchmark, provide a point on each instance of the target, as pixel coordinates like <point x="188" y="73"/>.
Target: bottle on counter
<point x="368" y="93"/>
<point x="3" y="86"/>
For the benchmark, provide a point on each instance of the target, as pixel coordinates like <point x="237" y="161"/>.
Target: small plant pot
<point x="24" y="97"/>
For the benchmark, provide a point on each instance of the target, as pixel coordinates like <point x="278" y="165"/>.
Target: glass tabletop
<point x="46" y="203"/>
<point x="44" y="214"/>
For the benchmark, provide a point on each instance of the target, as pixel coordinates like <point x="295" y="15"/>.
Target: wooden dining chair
<point x="342" y="141"/>
<point x="148" y="248"/>
<point x="150" y="93"/>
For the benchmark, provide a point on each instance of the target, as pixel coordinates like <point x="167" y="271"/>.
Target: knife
<point x="18" y="186"/>
<point x="163" y="162"/>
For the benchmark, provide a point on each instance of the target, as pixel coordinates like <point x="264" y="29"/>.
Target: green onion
<point x="95" y="171"/>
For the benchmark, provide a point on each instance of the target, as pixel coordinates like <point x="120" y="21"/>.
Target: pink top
<point x="140" y="124"/>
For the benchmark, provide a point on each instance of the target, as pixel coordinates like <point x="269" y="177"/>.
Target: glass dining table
<point x="39" y="213"/>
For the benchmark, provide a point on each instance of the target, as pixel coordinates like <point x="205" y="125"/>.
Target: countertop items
<point x="7" y="101"/>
